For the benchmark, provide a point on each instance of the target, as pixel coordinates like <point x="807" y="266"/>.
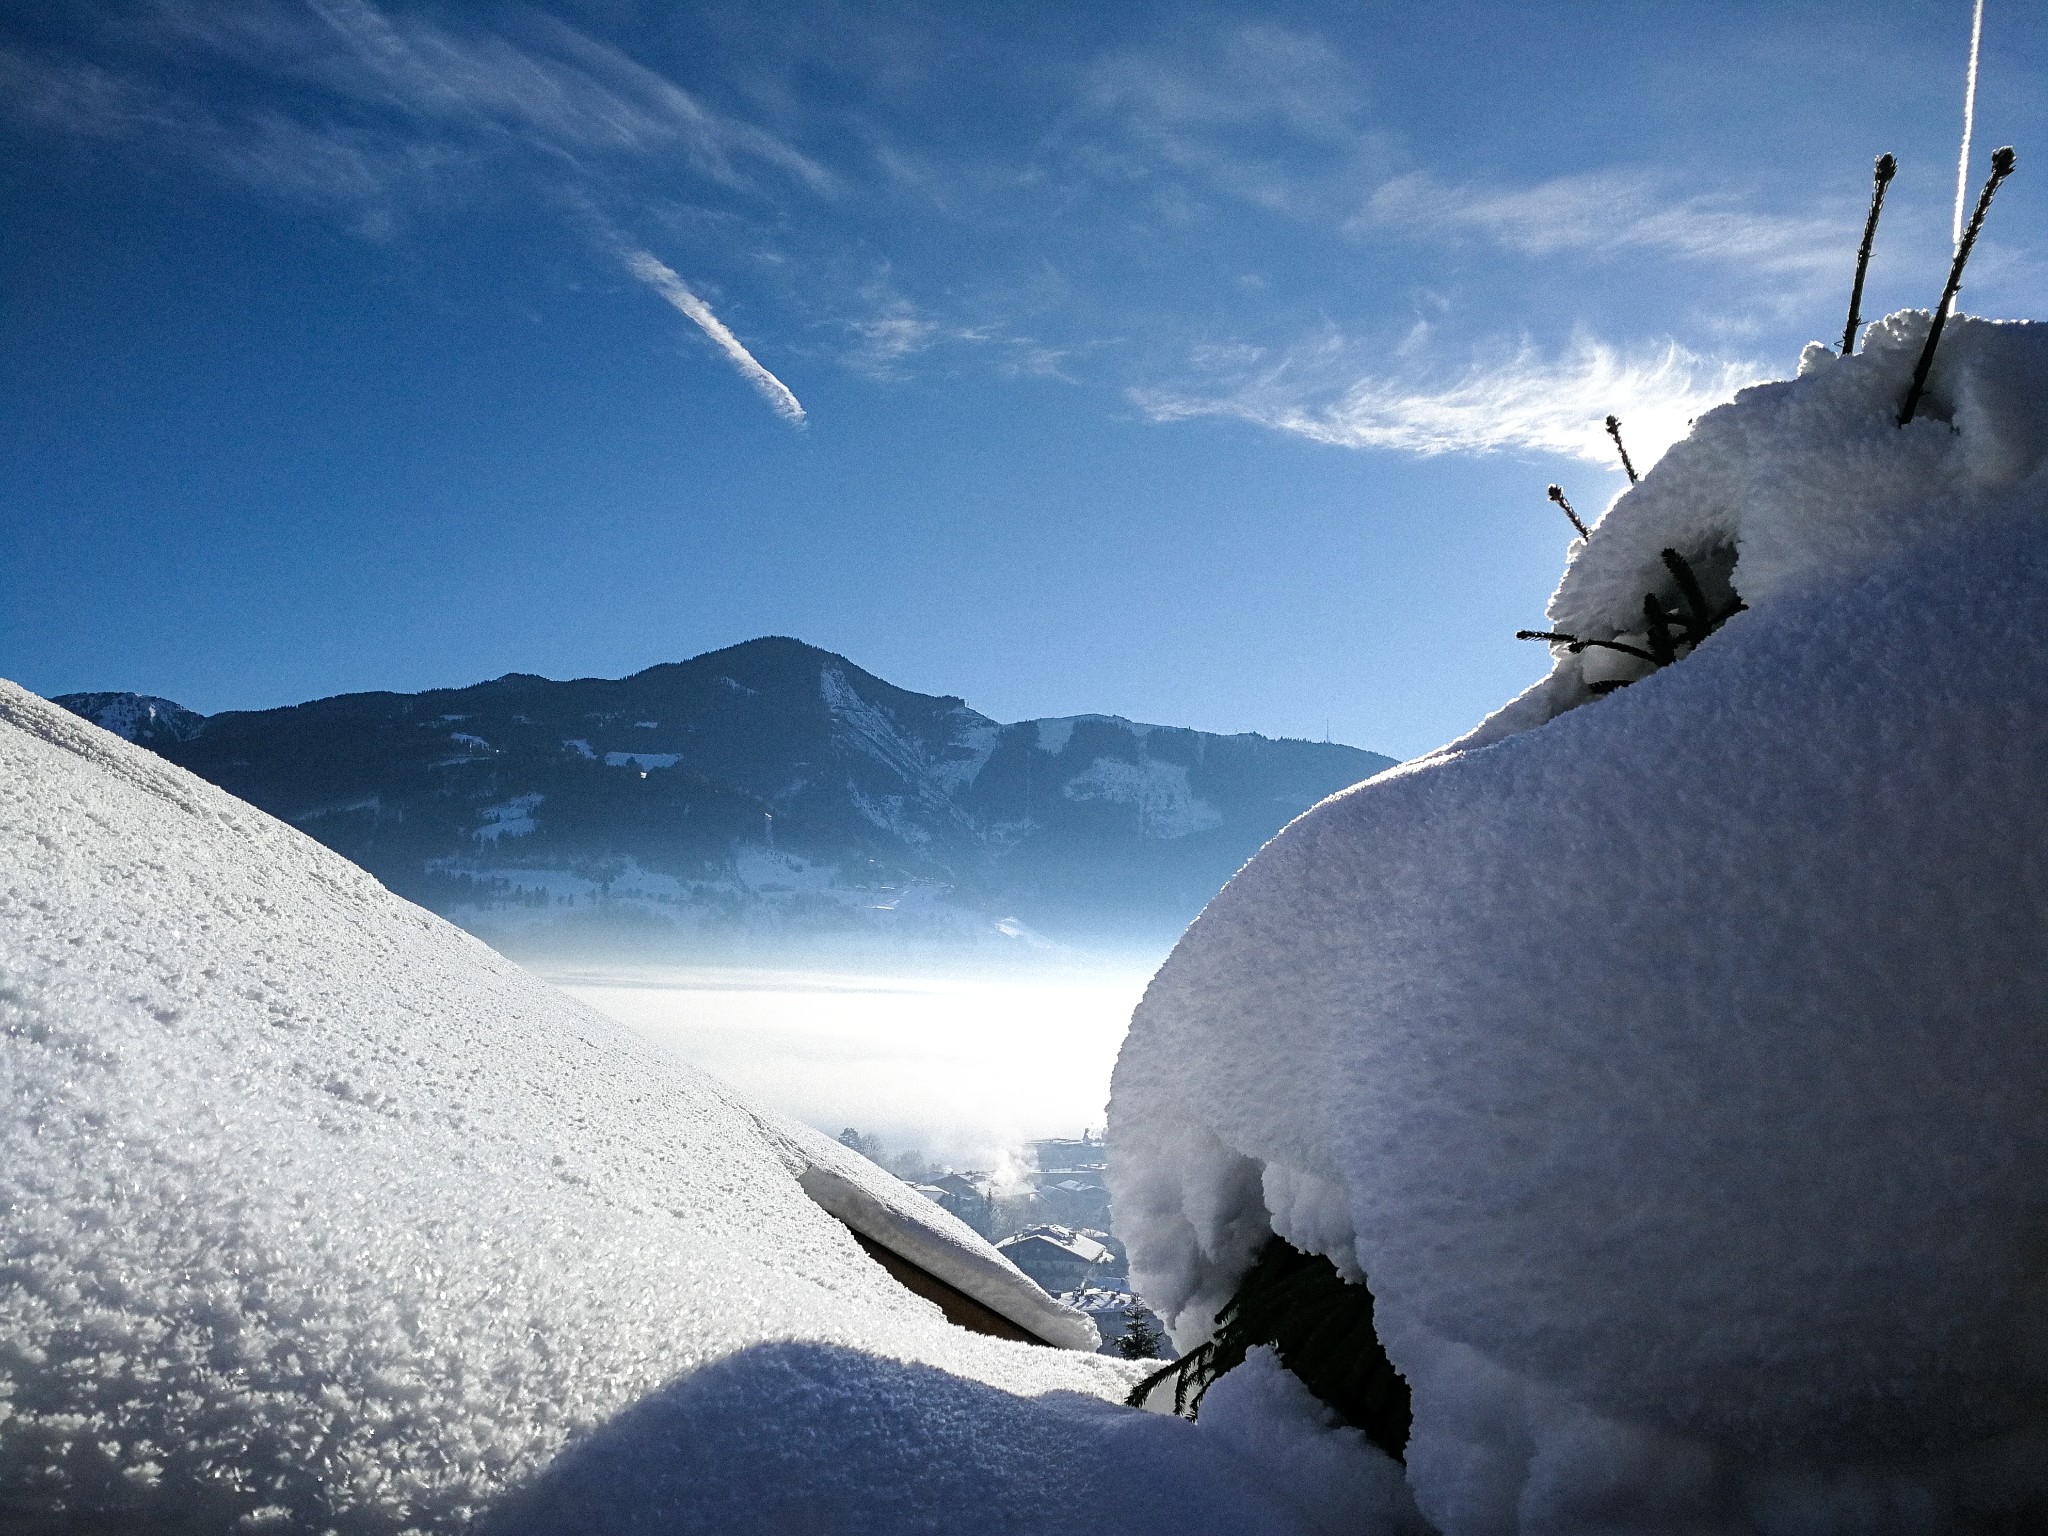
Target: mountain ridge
<point x="766" y="794"/>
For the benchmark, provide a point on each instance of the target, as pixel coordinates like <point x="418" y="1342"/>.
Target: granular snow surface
<point x="1674" y="1063"/>
<point x="322" y="1217"/>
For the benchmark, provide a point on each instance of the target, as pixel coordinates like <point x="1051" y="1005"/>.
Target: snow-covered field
<point x="960" y="1067"/>
<point x="320" y="1216"/>
<point x="1674" y="1063"/>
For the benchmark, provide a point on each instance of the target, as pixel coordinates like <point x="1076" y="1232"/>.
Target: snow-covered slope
<point x="320" y="1216"/>
<point x="1674" y="1063"/>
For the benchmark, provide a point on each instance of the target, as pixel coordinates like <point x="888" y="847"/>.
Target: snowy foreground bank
<point x="321" y="1216"/>
<point x="1673" y="1060"/>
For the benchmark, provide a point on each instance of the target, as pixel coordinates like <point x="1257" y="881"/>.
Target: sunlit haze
<point x="959" y="1068"/>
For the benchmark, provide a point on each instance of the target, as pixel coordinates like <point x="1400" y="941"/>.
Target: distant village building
<point x="1067" y="1182"/>
<point x="1120" y="1317"/>
<point x="967" y="1196"/>
<point x="1060" y="1258"/>
<point x="1059" y="1153"/>
<point x="1072" y="1256"/>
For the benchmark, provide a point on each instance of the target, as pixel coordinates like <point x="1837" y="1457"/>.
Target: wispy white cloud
<point x="886" y="344"/>
<point x="664" y="281"/>
<point x="885" y="340"/>
<point x="1264" y="113"/>
<point x="1254" y="74"/>
<point x="1604" y="211"/>
<point x="345" y="103"/>
<point x="533" y="83"/>
<point x="374" y="112"/>
<point x="1518" y="400"/>
<point x="894" y="331"/>
<point x="77" y="98"/>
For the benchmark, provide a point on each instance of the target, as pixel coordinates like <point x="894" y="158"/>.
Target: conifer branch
<point x="1699" y="621"/>
<point x="1657" y="625"/>
<point x="1887" y="168"/>
<point x="1557" y="495"/>
<point x="1187" y="1366"/>
<point x="1614" y="431"/>
<point x="1321" y="1326"/>
<point x="2003" y="163"/>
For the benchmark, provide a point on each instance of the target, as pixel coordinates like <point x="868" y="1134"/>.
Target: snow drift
<point x="320" y="1216"/>
<point x="1672" y="1062"/>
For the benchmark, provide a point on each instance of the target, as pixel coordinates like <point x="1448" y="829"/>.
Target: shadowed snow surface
<point x="321" y="1216"/>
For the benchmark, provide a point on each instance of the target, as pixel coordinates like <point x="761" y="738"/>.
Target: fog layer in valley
<point x="960" y="1066"/>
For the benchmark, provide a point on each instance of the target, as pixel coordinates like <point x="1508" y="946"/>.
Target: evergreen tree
<point x="1142" y="1339"/>
<point x="869" y="1147"/>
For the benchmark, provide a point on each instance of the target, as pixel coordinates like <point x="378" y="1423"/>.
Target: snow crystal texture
<point x="1673" y="1063"/>
<point x="320" y="1216"/>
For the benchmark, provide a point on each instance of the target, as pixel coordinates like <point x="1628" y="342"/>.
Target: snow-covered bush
<point x="1673" y="1059"/>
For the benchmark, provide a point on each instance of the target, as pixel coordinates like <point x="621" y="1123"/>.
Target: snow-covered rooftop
<point x="1077" y="1245"/>
<point x="1095" y="1298"/>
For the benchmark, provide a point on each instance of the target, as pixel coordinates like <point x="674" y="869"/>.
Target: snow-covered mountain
<point x="767" y="792"/>
<point x="141" y="718"/>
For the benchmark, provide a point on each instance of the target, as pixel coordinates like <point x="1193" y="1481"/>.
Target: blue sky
<point x="1202" y="364"/>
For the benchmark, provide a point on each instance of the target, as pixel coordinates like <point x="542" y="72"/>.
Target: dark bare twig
<point x="1694" y="624"/>
<point x="1575" y="645"/>
<point x="1614" y="431"/>
<point x="1557" y="495"/>
<point x="1887" y="168"/>
<point x="2003" y="163"/>
<point x="1615" y="645"/>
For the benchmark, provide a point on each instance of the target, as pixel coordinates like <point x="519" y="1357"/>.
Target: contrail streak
<point x="1969" y="121"/>
<point x="663" y="281"/>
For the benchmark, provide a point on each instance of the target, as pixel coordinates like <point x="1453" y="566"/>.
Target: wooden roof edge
<point x="961" y="1309"/>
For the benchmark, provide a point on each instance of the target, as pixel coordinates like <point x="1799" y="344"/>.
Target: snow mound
<point x="320" y="1216"/>
<point x="1342" y="1483"/>
<point x="1812" y="481"/>
<point x="1675" y="1071"/>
